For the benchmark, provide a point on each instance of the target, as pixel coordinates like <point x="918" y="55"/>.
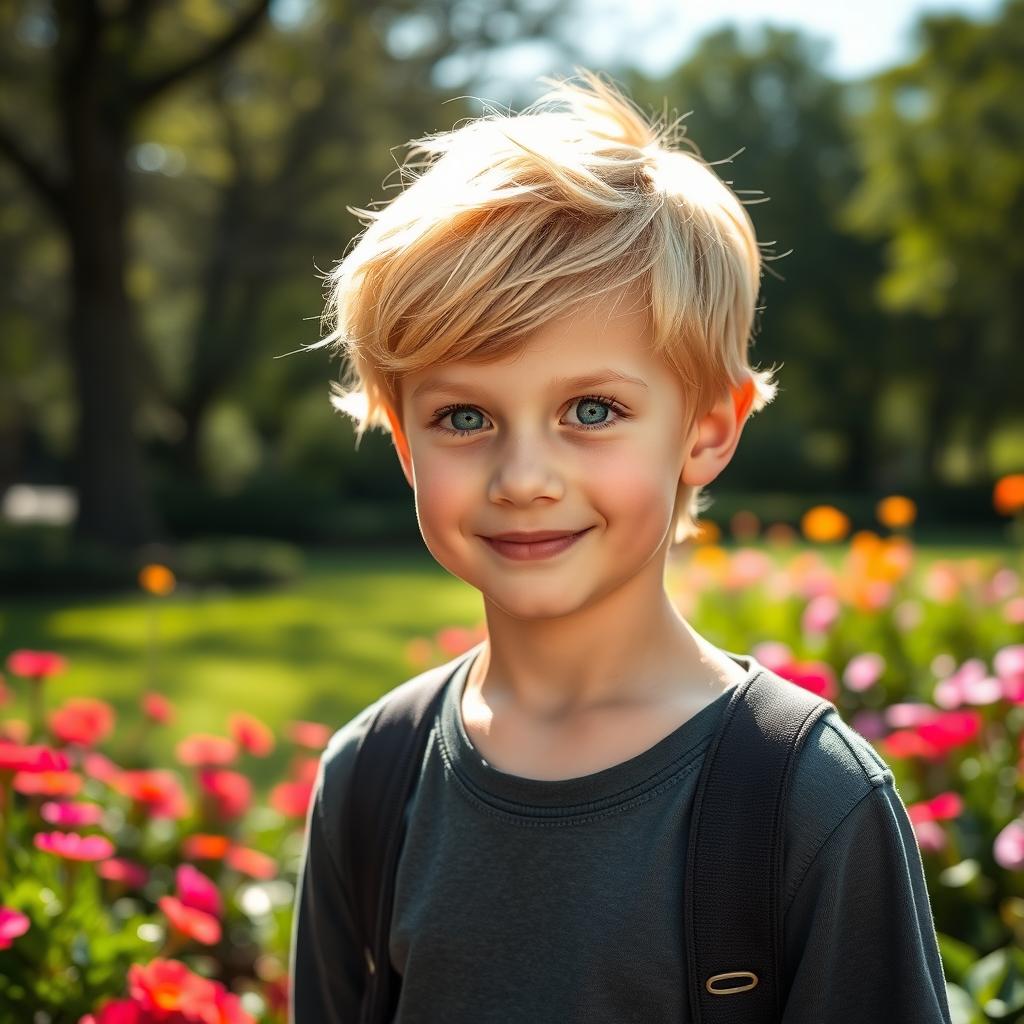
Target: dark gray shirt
<point x="525" y="901"/>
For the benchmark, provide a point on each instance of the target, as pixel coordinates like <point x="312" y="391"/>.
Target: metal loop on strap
<point x="732" y="989"/>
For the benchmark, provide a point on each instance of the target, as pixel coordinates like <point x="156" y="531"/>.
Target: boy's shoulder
<point x="337" y="761"/>
<point x="836" y="770"/>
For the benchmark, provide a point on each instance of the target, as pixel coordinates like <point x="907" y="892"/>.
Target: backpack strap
<point x="386" y="770"/>
<point x="732" y="918"/>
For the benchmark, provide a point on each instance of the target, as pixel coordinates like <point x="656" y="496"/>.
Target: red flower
<point x="204" y="750"/>
<point x="157" y="789"/>
<point x="12" y="924"/>
<point x="14" y="757"/>
<point x="231" y="791"/>
<point x="252" y="862"/>
<point x="83" y="720"/>
<point x="118" y="869"/>
<point x="116" y="1011"/>
<point x="72" y="846"/>
<point x="933" y="739"/>
<point x="35" y="665"/>
<point x="157" y="708"/>
<point x="939" y="808"/>
<point x="48" y="783"/>
<point x="816" y="676"/>
<point x="291" y="798"/>
<point x="309" y="734"/>
<point x="252" y="734"/>
<point x="166" y="990"/>
<point x="196" y="924"/>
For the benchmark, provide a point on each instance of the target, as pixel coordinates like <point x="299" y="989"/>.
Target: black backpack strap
<point x="386" y="770"/>
<point x="733" y="921"/>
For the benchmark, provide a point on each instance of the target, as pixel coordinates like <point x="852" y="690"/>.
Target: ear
<point x="717" y="435"/>
<point x="401" y="443"/>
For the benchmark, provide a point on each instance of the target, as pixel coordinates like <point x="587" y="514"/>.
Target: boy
<point x="553" y="323"/>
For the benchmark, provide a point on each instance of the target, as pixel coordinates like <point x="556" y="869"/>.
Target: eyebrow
<point x="589" y="380"/>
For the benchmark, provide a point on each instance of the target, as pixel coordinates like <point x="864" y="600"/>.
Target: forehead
<point x="601" y="343"/>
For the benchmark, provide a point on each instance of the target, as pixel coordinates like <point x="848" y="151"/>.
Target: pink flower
<point x="72" y="846"/>
<point x="251" y="862"/>
<point x="118" y="869"/>
<point x="99" y="766"/>
<point x="71" y="815"/>
<point x="205" y="750"/>
<point x="1008" y="848"/>
<point x="863" y="671"/>
<point x="12" y="924"/>
<point x="1013" y="611"/>
<point x="816" y="676"/>
<point x="157" y="708"/>
<point x="931" y="836"/>
<point x="251" y="734"/>
<point x="820" y="614"/>
<point x="1009" y="666"/>
<point x="313" y="735"/>
<point x="198" y="891"/>
<point x="35" y="665"/>
<point x="47" y="783"/>
<point x="939" y="808"/>
<point x="157" y="789"/>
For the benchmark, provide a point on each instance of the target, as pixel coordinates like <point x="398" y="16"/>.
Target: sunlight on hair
<point x="510" y="220"/>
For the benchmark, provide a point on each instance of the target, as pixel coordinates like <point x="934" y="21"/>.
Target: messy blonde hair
<point x="511" y="220"/>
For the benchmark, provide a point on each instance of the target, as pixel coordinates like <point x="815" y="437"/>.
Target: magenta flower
<point x="72" y="846"/>
<point x="12" y="924"/>
<point x="35" y="665"/>
<point x="71" y="815"/>
<point x="197" y="891"/>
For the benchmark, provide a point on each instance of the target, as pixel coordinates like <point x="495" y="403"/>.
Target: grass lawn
<point x="320" y="650"/>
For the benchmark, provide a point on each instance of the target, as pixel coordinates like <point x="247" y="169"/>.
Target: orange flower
<point x="48" y="783"/>
<point x="205" y="846"/>
<point x="156" y="579"/>
<point x="167" y="990"/>
<point x="708" y="532"/>
<point x="250" y="733"/>
<point x="896" y="511"/>
<point x="825" y="524"/>
<point x="252" y="862"/>
<point x="1008" y="494"/>
<point x="82" y="720"/>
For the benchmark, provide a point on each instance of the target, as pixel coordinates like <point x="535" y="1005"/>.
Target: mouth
<point x="539" y="545"/>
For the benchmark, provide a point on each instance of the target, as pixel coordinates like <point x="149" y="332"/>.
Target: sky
<point x="657" y="35"/>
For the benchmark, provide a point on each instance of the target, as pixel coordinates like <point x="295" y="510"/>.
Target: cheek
<point x="633" y="486"/>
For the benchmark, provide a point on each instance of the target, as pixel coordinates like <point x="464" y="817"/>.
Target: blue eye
<point x="465" y="417"/>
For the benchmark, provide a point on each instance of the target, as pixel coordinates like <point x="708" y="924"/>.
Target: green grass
<point x="319" y="650"/>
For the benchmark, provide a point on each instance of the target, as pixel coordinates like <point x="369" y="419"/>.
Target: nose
<point x="526" y="468"/>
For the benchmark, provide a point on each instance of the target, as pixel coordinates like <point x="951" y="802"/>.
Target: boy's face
<point x="540" y="453"/>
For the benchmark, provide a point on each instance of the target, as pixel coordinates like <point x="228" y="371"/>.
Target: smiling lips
<point x="529" y="546"/>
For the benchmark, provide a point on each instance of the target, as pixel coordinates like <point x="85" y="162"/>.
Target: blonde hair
<point x="511" y="220"/>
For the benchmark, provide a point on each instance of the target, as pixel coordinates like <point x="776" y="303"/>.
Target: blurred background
<point x="187" y="531"/>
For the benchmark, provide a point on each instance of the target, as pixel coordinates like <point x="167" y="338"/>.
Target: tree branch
<point x="146" y="89"/>
<point x="47" y="187"/>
